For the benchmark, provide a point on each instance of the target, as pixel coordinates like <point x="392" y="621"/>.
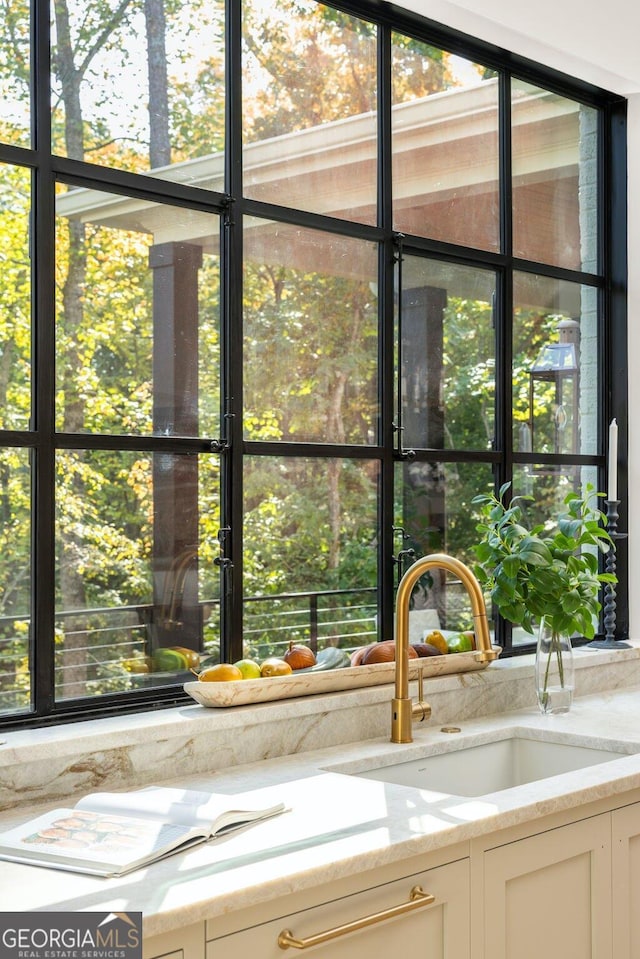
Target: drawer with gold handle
<point x="417" y="899"/>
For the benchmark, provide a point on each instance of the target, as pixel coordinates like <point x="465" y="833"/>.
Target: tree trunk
<point x="336" y="434"/>
<point x="72" y="591"/>
<point x="159" y="139"/>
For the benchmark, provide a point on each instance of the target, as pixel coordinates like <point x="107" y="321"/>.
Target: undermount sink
<point x="476" y="770"/>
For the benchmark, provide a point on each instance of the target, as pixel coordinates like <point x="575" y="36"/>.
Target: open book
<point x="110" y="834"/>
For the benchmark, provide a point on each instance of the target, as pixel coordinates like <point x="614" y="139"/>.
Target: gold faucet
<point x="403" y="709"/>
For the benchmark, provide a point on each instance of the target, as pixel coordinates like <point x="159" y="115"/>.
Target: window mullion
<point x="232" y="373"/>
<point x="43" y="379"/>
<point x="387" y="345"/>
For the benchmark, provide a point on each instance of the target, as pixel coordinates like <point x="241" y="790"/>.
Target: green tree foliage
<point x="15" y="298"/>
<point x="291" y="542"/>
<point x="15" y="72"/>
<point x="305" y="64"/>
<point x="317" y="336"/>
<point x="15" y="414"/>
<point x="419" y="69"/>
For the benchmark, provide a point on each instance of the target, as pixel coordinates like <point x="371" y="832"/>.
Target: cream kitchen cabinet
<point x="185" y="943"/>
<point x="563" y="888"/>
<point x="626" y="881"/>
<point x="547" y="895"/>
<point x="386" y="920"/>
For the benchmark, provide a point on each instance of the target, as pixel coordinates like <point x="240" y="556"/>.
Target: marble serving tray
<point x="245" y="691"/>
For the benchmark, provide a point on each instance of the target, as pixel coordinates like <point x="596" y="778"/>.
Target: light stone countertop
<point x="337" y="825"/>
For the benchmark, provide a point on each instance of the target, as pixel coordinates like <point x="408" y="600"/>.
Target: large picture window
<point x="285" y="285"/>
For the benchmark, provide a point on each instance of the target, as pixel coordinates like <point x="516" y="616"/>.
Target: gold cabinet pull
<point x="417" y="898"/>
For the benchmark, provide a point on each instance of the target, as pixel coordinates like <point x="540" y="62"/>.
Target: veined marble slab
<point x="55" y="763"/>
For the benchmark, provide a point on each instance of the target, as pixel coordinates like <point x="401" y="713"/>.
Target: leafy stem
<point x="543" y="571"/>
<point x="554" y="647"/>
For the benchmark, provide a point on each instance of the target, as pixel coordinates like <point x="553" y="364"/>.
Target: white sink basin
<point x="510" y="760"/>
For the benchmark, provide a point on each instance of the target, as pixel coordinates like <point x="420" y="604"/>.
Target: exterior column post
<point x="177" y="615"/>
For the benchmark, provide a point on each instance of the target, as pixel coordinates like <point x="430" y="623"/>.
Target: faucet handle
<point x="404" y="712"/>
<point x="420" y="710"/>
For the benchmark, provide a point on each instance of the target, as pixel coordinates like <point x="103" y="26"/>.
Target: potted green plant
<point x="547" y="576"/>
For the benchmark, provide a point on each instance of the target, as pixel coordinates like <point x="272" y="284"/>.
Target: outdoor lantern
<point x="553" y="393"/>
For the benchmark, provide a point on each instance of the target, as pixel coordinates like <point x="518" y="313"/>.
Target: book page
<point x="184" y="806"/>
<point x="187" y="807"/>
<point x="92" y="837"/>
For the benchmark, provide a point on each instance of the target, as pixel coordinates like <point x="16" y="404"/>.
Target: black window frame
<point x="43" y="441"/>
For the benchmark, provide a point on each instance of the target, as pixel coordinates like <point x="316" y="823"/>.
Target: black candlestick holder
<point x="609" y="605"/>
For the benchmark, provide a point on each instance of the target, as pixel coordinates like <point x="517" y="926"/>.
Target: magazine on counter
<point x="110" y="834"/>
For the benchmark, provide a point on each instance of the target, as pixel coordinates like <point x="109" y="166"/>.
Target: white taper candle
<point x="612" y="487"/>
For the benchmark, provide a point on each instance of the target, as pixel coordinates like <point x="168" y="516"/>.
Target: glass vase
<point x="554" y="670"/>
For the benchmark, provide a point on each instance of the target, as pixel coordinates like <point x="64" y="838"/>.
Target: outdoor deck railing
<point x="95" y="648"/>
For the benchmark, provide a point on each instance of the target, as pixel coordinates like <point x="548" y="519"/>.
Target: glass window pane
<point x="556" y="362"/>
<point x="15" y="297"/>
<point x="445" y="146"/>
<point x="137" y="332"/>
<point x="555" y="178"/>
<point x="435" y="513"/>
<point x="149" y="95"/>
<point x="15" y="581"/>
<point x="136" y="538"/>
<point x="310" y="543"/>
<point x="447" y="355"/>
<point x="310" y="336"/>
<point x="309" y="108"/>
<point x="548" y="486"/>
<point x="15" y="73"/>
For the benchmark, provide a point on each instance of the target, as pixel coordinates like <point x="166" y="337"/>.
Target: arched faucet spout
<point x="403" y="710"/>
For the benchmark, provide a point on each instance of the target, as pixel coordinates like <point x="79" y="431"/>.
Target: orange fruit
<point x="220" y="673"/>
